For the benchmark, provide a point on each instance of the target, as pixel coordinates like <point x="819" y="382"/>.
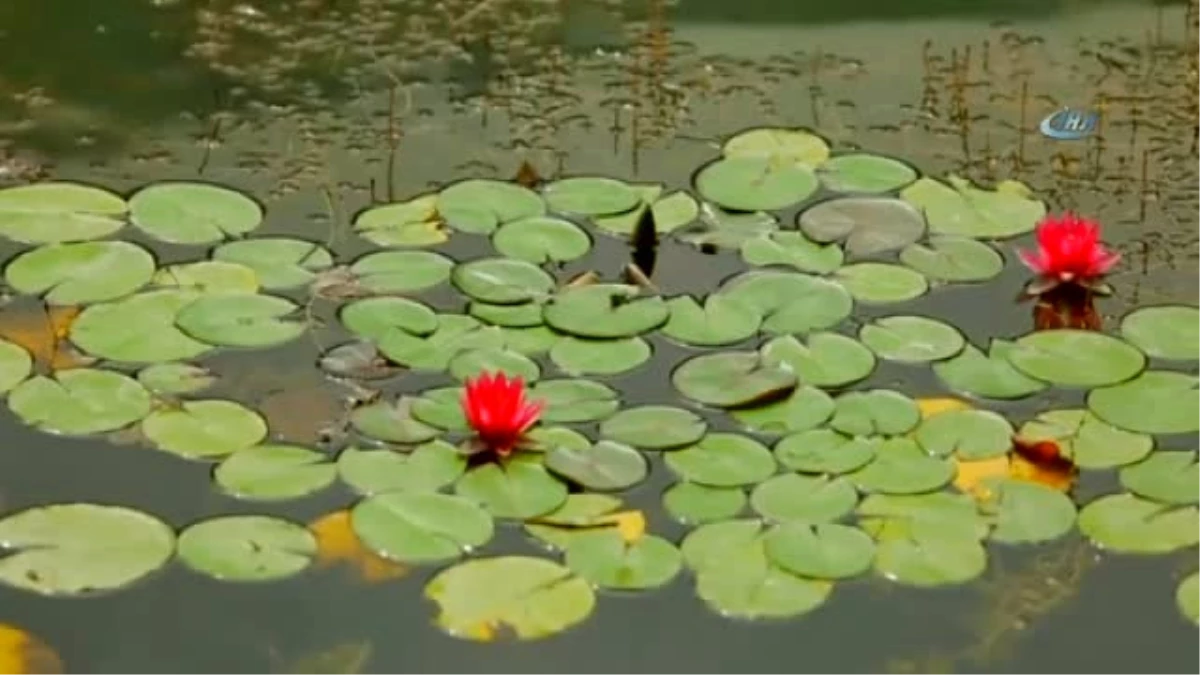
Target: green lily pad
<point x="523" y="315"/>
<point x="901" y="467"/>
<point x="778" y="144"/>
<point x="823" y="359"/>
<point x="1125" y="523"/>
<point x="274" y="472"/>
<point x="1088" y="440"/>
<point x="937" y="514"/>
<point x="692" y="503"/>
<point x="926" y="558"/>
<point x="80" y="401"/>
<point x="247" y="548"/>
<point x="960" y="208"/>
<point x="15" y="365"/>
<point x="1164" y="331"/>
<point x="374" y="318"/>
<point x="732" y="379"/>
<point x="57" y="211"/>
<point x="1024" y="512"/>
<point x="240" y="320"/>
<point x="391" y="421"/>
<point x="580" y="512"/>
<point x="605" y="466"/>
<point x="810" y="499"/>
<point x="455" y="333"/>
<point x="988" y="375"/>
<point x="542" y="239"/>
<point x="865" y="173"/>
<point x="882" y="283"/>
<point x="723" y="460"/>
<point x="193" y="213"/>
<point x="790" y="302"/>
<point x="605" y="311"/>
<point x="876" y="411"/>
<point x="441" y="408"/>
<point x="721" y="320"/>
<point x="654" y="427"/>
<point x="1187" y="597"/>
<point x="76" y="549"/>
<point x="820" y="550"/>
<point x="953" y="258"/>
<point x="1156" y="402"/>
<point x="912" y="339"/>
<point x="709" y="545"/>
<point x="502" y="281"/>
<point x="570" y="401"/>
<point x="428" y="467"/>
<point x="804" y="408"/>
<point x="1171" y="477"/>
<point x="577" y="356"/>
<point x="591" y="196"/>
<point x="401" y="271"/>
<point x="420" y="527"/>
<point x="204" y="428"/>
<point x="470" y="363"/>
<point x="1076" y="358"/>
<point x="722" y="229"/>
<point x="479" y="205"/>
<point x="867" y="226"/>
<point x="671" y="212"/>
<point x="545" y="439"/>
<point x="792" y="249"/>
<point x="281" y="263"/>
<point x="755" y="184"/>
<point x="608" y="561"/>
<point x="81" y="273"/>
<point x="518" y="489"/>
<point x="529" y="341"/>
<point x="825" y="451"/>
<point x="968" y="434"/>
<point x="208" y="276"/>
<point x="175" y="378"/>
<point x="137" y="329"/>
<point x="411" y="224"/>
<point x="530" y="598"/>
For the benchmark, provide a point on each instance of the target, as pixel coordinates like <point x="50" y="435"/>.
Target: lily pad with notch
<point x="240" y="320"/>
<point x="519" y="488"/>
<point x="967" y="434"/>
<point x="281" y="263"/>
<point x="820" y="550"/>
<point x="503" y="281"/>
<point x="575" y="400"/>
<point x="206" y="428"/>
<point x="912" y="339"/>
<point x="654" y="427"/>
<point x="480" y="205"/>
<point x="81" y="273"/>
<point x="357" y="360"/>
<point x="373" y="318"/>
<point x="274" y="472"/>
<point x="958" y="207"/>
<point x="208" y="276"/>
<point x="455" y="333"/>
<point x="138" y="329"/>
<point x="723" y="460"/>
<point x="523" y="315"/>
<point x="721" y="320"/>
<point x="879" y="283"/>
<point x="1087" y="440"/>
<point x="1024" y="512"/>
<point x="80" y="401"/>
<point x="470" y="363"/>
<point x="825" y="451"/>
<point x="410" y="224"/>
<point x="866" y="226"/>
<point x="695" y="504"/>
<point x="790" y="302"/>
<point x="1164" y="331"/>
<point x="428" y="467"/>
<point x="1155" y="402"/>
<point x="1126" y="523"/>
<point x="935" y="513"/>
<point x="179" y="212"/>
<point x="591" y="196"/>
<point x="822" y="359"/>
<point x="581" y="512"/>
<point x="387" y="272"/>
<point x="1166" y="476"/>
<point x="755" y="183"/>
<point x="603" y="467"/>
<point x="420" y="527"/>
<point x="670" y="212"/>
<point x="247" y="548"/>
<point x="605" y="311"/>
<point x="732" y="379"/>
<point x="874" y="411"/>
<point x="391" y="421"/>
<point x="59" y="211"/>
<point x="793" y="249"/>
<point x="1069" y="357"/>
<point x="441" y="408"/>
<point x="924" y="557"/>
<point x="988" y="375"/>
<point x="542" y="239"/>
<point x="810" y="499"/>
<point x="954" y="259"/>
<point x="578" y="356"/>
<point x="604" y="558"/>
<point x="865" y="173"/>
<point x="805" y="408"/>
<point x="721" y="229"/>
<point x="901" y="467"/>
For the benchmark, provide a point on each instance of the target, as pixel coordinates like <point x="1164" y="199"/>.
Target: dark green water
<point x="288" y="100"/>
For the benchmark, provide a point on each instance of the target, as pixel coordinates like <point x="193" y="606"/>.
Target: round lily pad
<point x="542" y="239"/>
<point x="410" y="224"/>
<point x="605" y="311"/>
<point x="875" y="411"/>
<point x="81" y="273"/>
<point x="401" y="271"/>
<point x="654" y="427"/>
<point x="471" y="363"/>
<point x="693" y="503"/>
<point x="15" y="365"/>
<point x="240" y="320"/>
<point x="57" y="211"/>
<point x="548" y="438"/>
<point x="968" y="434"/>
<point x="987" y="375"/>
<point x="1027" y="512"/>
<point x="732" y="379"/>
<point x="193" y="213"/>
<point x="912" y="339"/>
<point x="581" y="511"/>
<point x="577" y="356"/>
<point x="928" y="559"/>
<point x="1164" y="331"/>
<point x="523" y="315"/>
<point x="518" y="489"/>
<point x="529" y="598"/>
<point x="75" y="549"/>
<point x="1125" y="523"/>
<point x="721" y="320"/>
<point x="1187" y="597"/>
<point x="455" y="333"/>
<point x="374" y="318"/>
<point x="591" y="196"/>
<point x="570" y="401"/>
<point x="820" y="550"/>
<point x="208" y="276"/>
<point x="879" y="283"/>
<point x="420" y="527"/>
<point x="175" y="378"/>
<point x="778" y="144"/>
<point x="530" y="341"/>
<point x="138" y="329"/>
<point x="931" y="514"/>
<point x="790" y="302"/>
<point x="710" y="544"/>
<point x="274" y="472"/>
<point x="608" y="561"/>
<point x="427" y="468"/>
<point x="1167" y="476"/>
<point x="479" y="205"/>
<point x="1076" y="358"/>
<point x="794" y="250"/>
<point x="1156" y="402"/>
<point x="441" y="408"/>
<point x="1087" y="440"/>
<point x="755" y="183"/>
<point x="958" y="207"/>
<point x="865" y="173"/>
<point x="247" y="548"/>
<point x="804" y="408"/>
<point x="280" y="262"/>
<point x="723" y="460"/>
<point x="809" y="499"/>
<point x="205" y="428"/>
<point x="867" y="226"/>
<point x="502" y="281"/>
<point x="900" y="467"/>
<point x="80" y="401"/>
<point x="825" y="451"/>
<point x="670" y="212"/>
<point x="953" y="258"/>
<point x="605" y="466"/>
<point x="822" y="359"/>
<point x="391" y="421"/>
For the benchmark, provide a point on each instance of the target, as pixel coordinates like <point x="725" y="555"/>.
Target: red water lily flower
<point x="497" y="409"/>
<point x="1069" y="251"/>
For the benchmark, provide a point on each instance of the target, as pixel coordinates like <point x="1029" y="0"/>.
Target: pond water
<point x="322" y="109"/>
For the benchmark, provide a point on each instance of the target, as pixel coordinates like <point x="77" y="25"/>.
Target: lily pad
<point x="427" y="468"/>
<point x="605" y="311"/>
<point x="247" y="548"/>
<point x="518" y="489"/>
<point x="546" y="439"/>
<point x="391" y="421"/>
<point x="960" y="208"/>
<point x="695" y="504"/>
<point x="755" y="183"/>
<point x="175" y="378"/>
<point x="1167" y="476"/>
<point x="15" y="365"/>
<point x="809" y="499"/>
<point x="455" y="334"/>
<point x="1076" y="358"/>
<point x="580" y="512"/>
<point x="529" y="341"/>
<point x="654" y="427"/>
<point x="721" y="320"/>
<point x="900" y="467"/>
<point x="804" y="408"/>
<point x="867" y="226"/>
<point x="569" y="401"/>
<point x="820" y="550"/>
<point x="882" y="283"/>
<point x="542" y="239"/>
<point x="193" y="213"/>
<point x="825" y="451"/>
<point x="721" y="229"/>
<point x="925" y="558"/>
<point x="732" y="379"/>
<point x="274" y="472"/>
<point x="204" y="428"/>
<point x="57" y="211"/>
<point x="1087" y="440"/>
<point x="137" y="329"/>
<point x="1187" y="597"/>
<point x="790" y="302"/>
<point x="523" y="315"/>
<point x="1164" y="331"/>
<point x="374" y="318"/>
<point x="75" y="549"/>
<point x="953" y="258"/>
<point x="441" y="408"/>
<point x="401" y="271"/>
<point x="502" y="281"/>
<point x="81" y="273"/>
<point x="80" y="401"/>
<point x="411" y="224"/>
<point x="468" y="364"/>
<point x="1025" y="512"/>
<point x="988" y="375"/>
<point x="968" y="434"/>
<point x="479" y="205"/>
<point x="1156" y="402"/>
<point x="671" y="212"/>
<point x="912" y="339"/>
<point x="591" y="196"/>
<point x="936" y="514"/>
<point x="281" y="263"/>
<point x="420" y="527"/>
<point x="723" y="460"/>
<point x="1125" y="523"/>
<point x="208" y="276"/>
<point x="778" y="144"/>
<point x="875" y="411"/>
<point x="577" y="356"/>
<point x="821" y="360"/>
<point x="794" y="250"/>
<point x="865" y="173"/>
<point x="608" y="561"/>
<point x="240" y="320"/>
<point x="605" y="466"/>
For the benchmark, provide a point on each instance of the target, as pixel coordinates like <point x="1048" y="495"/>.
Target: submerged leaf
<point x="338" y="544"/>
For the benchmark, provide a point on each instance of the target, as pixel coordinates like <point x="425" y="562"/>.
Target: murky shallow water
<point x="286" y="104"/>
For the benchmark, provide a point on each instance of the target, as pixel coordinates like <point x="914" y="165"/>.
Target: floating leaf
<point x="722" y="320"/>
<point x="1125" y="523"/>
<point x="401" y="271"/>
<point x="953" y="258"/>
<point x="867" y="225"/>
<point x="779" y="145"/>
<point x="1086" y="439"/>
<point x="204" y="429"/>
<point x="193" y="213"/>
<point x="755" y="184"/>
<point x="15" y="365"/>
<point x="138" y="329"/>
<point x="74" y="549"/>
<point x="532" y="597"/>
<point x="80" y="273"/>
<point x="583" y="512"/>
<point x="654" y="427"/>
<point x="549" y="438"/>
<point x="281" y="263"/>
<point x="927" y="558"/>
<point x="969" y="434"/>
<point x="882" y="283"/>
<point x="1025" y="512"/>
<point x="864" y="173"/>
<point x="820" y="550"/>
<point x="670" y="212"/>
<point x="240" y="319"/>
<point x="427" y="468"/>
<point x="1164" y="331"/>
<point x="1172" y="477"/>
<point x="80" y="401"/>
<point x="608" y="561"/>
<point x="479" y="205"/>
<point x="693" y="503"/>
<point x="1076" y="358"/>
<point x="502" y="281"/>
<point x="391" y="421"/>
<point x="455" y="333"/>
<point x="875" y="411"/>
<point x="576" y="356"/>
<point x="442" y="408"/>
<point x="790" y="302"/>
<point x="524" y="315"/>
<point x="175" y="378"/>
<point x="900" y="467"/>
<point x="22" y="652"/>
<point x="605" y="466"/>
<point x="208" y="276"/>
<point x="590" y="196"/>
<point x="934" y="513"/>
<point x="471" y="363"/>
<point x="962" y="209"/>
<point x="809" y="499"/>
<point x="1156" y="402"/>
<point x="721" y="229"/>
<point x="517" y="489"/>
<point x="570" y="401"/>
<point x="912" y="339"/>
<point x="338" y="544"/>
<point x="732" y="379"/>
<point x="413" y="223"/>
<point x="804" y="408"/>
<point x="1187" y="597"/>
<point x="247" y="548"/>
<point x="825" y="451"/>
<point x="605" y="311"/>
<point x="989" y="376"/>
<point x="274" y="472"/>
<point x="542" y="239"/>
<point x="821" y="360"/>
<point x="723" y="460"/>
<point x="529" y="341"/>
<point x="792" y="249"/>
<point x="374" y="318"/>
<point x="420" y="527"/>
<point x="58" y="211"/>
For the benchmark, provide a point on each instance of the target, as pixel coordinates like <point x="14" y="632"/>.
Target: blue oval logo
<point x="1069" y="124"/>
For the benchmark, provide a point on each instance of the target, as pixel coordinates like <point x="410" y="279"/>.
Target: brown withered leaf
<point x="337" y="544"/>
<point x="42" y="331"/>
<point x="21" y="652"/>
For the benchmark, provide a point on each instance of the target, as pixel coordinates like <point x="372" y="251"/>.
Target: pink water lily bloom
<point x="1069" y="251"/>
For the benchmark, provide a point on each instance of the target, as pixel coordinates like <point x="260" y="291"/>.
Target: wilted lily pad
<point x="605" y="466"/>
<point x="542" y="239"/>
<point x="901" y="467"/>
<point x="825" y="451"/>
<point x="426" y="468"/>
<point x="1156" y="402"/>
<point x="605" y="311"/>
<point x="1164" y="331"/>
<point x="1076" y="358"/>
<point x="517" y="489"/>
<point x="693" y="503"/>
<point x="401" y="271"/>
<point x="953" y="258"/>
<point x="882" y="283"/>
<point x="721" y="320"/>
<point x="479" y="205"/>
<point x="206" y="428"/>
<point x="820" y="550"/>
<point x="1168" y="476"/>
<point x="912" y="339"/>
<point x="80" y="401"/>
<point x="866" y="225"/>
<point x="823" y="359"/>
<point x="420" y="527"/>
<point x="193" y="213"/>
<point x="989" y="376"/>
<point x="578" y="356"/>
<point x="809" y="499"/>
<point x="81" y="273"/>
<point x="240" y="319"/>
<point x="247" y="548"/>
<point x="755" y="183"/>
<point x="723" y="460"/>
<point x="654" y="427"/>
<point x="607" y="560"/>
<point x="58" y="211"/>
<point x="961" y="208"/>
<point x="865" y="173"/>
<point x="732" y="379"/>
<point x="138" y="329"/>
<point x="1087" y="440"/>
<point x="876" y="411"/>
<point x="280" y="262"/>
<point x="804" y="408"/>
<point x="502" y="281"/>
<point x="792" y="249"/>
<point x="721" y="229"/>
<point x="790" y="302"/>
<point x="591" y="196"/>
<point x="273" y="472"/>
<point x="1026" y="512"/>
<point x="409" y="224"/>
<point x="968" y="434"/>
<point x="1125" y="523"/>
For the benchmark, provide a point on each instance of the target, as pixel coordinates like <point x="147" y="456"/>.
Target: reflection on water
<point x="323" y="106"/>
